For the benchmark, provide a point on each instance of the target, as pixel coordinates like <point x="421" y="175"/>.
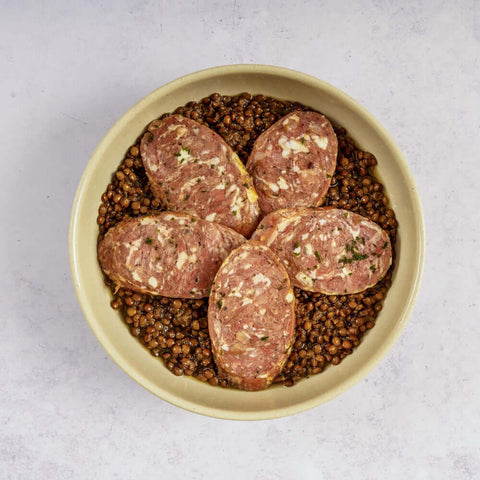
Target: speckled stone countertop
<point x="68" y="72"/>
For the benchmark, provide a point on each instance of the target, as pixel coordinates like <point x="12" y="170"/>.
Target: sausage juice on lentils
<point x="328" y="327"/>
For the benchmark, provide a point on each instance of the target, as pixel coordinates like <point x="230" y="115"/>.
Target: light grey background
<point x="68" y="70"/>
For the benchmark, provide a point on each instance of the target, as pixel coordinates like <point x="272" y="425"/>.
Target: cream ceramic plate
<point x="277" y="401"/>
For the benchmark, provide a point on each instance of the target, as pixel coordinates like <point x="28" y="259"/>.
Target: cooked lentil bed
<point x="328" y="327"/>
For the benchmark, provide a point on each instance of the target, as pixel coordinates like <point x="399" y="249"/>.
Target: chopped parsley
<point x="296" y="249"/>
<point x="246" y="184"/>
<point x="264" y="338"/>
<point x="220" y="304"/>
<point x="183" y="154"/>
<point x="302" y="140"/>
<point x="148" y="241"/>
<point x="373" y="268"/>
<point x="150" y="138"/>
<point x="199" y="180"/>
<point x="352" y="248"/>
<point x="345" y="215"/>
<point x="385" y="245"/>
<point x="234" y="212"/>
<point x="360" y="239"/>
<point x="183" y="149"/>
<point x="319" y="258"/>
<point x="355" y="256"/>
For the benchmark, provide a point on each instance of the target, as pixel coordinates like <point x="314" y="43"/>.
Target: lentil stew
<point x="328" y="328"/>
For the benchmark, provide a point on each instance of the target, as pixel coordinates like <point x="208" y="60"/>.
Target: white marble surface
<point x="68" y="71"/>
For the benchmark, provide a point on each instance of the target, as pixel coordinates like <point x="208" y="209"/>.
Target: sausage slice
<point x="293" y="161"/>
<point x="327" y="250"/>
<point x="173" y="254"/>
<point x="191" y="168"/>
<point x="251" y="317"/>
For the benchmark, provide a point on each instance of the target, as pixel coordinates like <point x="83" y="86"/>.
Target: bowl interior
<point x="187" y="392"/>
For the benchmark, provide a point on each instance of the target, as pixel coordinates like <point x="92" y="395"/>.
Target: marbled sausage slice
<point x="172" y="254"/>
<point x="191" y="168"/>
<point x="251" y="317"/>
<point x="292" y="162"/>
<point x="327" y="250"/>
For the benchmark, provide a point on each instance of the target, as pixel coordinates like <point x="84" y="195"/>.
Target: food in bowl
<point x="328" y="327"/>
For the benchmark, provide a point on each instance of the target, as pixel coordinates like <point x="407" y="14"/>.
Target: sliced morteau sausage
<point x="251" y="317"/>
<point x="192" y="169"/>
<point x="292" y="162"/>
<point x="173" y="254"/>
<point x="327" y="250"/>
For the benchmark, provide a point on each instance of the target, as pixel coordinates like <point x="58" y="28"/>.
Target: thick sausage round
<point x="327" y="250"/>
<point x="172" y="254"/>
<point x="292" y="162"/>
<point x="251" y="317"/>
<point x="192" y="169"/>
